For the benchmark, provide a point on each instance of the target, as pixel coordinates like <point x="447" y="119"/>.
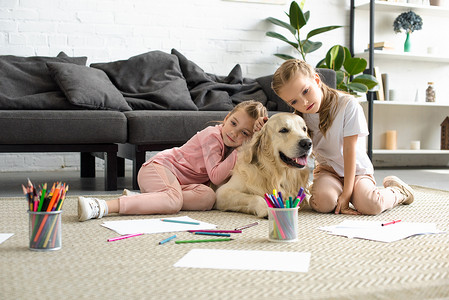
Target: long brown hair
<point x="329" y="103"/>
<point x="254" y="109"/>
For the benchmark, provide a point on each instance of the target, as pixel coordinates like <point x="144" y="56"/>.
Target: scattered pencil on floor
<point x="203" y="241"/>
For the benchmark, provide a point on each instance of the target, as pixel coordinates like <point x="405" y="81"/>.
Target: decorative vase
<point x="407" y="44"/>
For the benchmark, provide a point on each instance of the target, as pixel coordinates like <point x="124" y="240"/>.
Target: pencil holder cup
<point x="45" y="230"/>
<point x="283" y="224"/>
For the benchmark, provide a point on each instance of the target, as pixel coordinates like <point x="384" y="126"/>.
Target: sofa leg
<point x="120" y="167"/>
<point x="110" y="171"/>
<point x="87" y="165"/>
<point x="138" y="160"/>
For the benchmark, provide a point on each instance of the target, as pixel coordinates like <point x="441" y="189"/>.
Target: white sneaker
<point x="404" y="189"/>
<point x="127" y="192"/>
<point x="91" y="208"/>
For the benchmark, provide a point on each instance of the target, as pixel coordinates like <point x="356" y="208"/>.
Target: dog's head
<point x="283" y="139"/>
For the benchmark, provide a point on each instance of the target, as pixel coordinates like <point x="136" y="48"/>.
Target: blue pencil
<point x="212" y="233"/>
<point x="167" y="239"/>
<point x="182" y="222"/>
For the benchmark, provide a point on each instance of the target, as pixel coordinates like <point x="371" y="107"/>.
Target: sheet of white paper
<point x="246" y="260"/>
<point x="155" y="225"/>
<point x="5" y="236"/>
<point x="373" y="230"/>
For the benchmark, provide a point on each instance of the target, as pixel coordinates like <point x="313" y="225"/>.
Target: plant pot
<point x="437" y="2"/>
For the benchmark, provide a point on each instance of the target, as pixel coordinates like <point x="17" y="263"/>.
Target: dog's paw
<point x="260" y="208"/>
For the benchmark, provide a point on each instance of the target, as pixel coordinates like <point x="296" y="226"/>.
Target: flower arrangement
<point x="409" y="21"/>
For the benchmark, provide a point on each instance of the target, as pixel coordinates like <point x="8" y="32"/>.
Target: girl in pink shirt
<point x="178" y="178"/>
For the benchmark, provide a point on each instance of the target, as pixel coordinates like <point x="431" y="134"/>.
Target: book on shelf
<point x="381" y="46"/>
<point x="380" y="92"/>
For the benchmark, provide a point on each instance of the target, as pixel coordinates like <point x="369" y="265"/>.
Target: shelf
<point x="407" y="151"/>
<point x="383" y="54"/>
<point x="426" y="104"/>
<point x="402" y="7"/>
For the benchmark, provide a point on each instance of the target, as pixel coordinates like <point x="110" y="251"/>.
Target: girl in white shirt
<point x="337" y="125"/>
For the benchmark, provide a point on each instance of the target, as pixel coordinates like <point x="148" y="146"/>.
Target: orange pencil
<point x="54" y="197"/>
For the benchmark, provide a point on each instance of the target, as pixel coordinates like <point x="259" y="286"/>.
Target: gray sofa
<point x="117" y="110"/>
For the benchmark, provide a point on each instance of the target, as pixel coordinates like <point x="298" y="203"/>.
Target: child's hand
<point x="343" y="207"/>
<point x="259" y="123"/>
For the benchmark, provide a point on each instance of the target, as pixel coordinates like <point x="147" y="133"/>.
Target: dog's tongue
<point x="301" y="160"/>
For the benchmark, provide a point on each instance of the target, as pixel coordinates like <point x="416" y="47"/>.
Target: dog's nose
<point x="305" y="144"/>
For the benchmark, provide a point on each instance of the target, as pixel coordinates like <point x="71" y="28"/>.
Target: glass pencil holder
<point x="283" y="224"/>
<point x="45" y="230"/>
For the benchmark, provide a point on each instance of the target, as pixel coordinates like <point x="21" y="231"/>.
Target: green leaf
<point x="309" y="46"/>
<point x="340" y="77"/>
<point x="358" y="87"/>
<point x="282" y="38"/>
<point x="297" y="18"/>
<point x="282" y="24"/>
<point x="342" y="87"/>
<point x="321" y="30"/>
<point x="322" y="64"/>
<point x="284" y="56"/>
<point x="307" y="16"/>
<point x="369" y="80"/>
<point x="355" y="65"/>
<point x="335" y="57"/>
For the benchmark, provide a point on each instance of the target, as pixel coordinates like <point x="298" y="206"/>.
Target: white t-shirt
<point x="349" y="120"/>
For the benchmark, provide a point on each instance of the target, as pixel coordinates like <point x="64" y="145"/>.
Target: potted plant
<point x="409" y="21"/>
<point x="339" y="59"/>
<point x="297" y="20"/>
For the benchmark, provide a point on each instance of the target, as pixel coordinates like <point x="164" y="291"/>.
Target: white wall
<point x="215" y="34"/>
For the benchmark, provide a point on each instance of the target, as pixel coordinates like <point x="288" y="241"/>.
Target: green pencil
<point x="203" y="241"/>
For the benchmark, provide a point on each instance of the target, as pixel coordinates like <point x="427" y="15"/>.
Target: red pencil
<point x="392" y="222"/>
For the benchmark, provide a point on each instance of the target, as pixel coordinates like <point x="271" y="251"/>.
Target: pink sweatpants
<point x="161" y="193"/>
<point x="366" y="197"/>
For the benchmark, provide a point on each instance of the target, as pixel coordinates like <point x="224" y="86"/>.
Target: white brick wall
<point x="215" y="34"/>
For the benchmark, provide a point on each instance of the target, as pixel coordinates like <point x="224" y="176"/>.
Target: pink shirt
<point x="200" y="160"/>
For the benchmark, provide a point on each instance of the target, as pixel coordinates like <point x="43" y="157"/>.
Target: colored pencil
<point x="216" y="231"/>
<point x="41" y="202"/>
<point x="247" y="226"/>
<point x="182" y="222"/>
<point x="392" y="222"/>
<point x="167" y="239"/>
<point x="123" y="237"/>
<point x="211" y="233"/>
<point x="203" y="241"/>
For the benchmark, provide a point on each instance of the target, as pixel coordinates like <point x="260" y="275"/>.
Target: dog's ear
<point x="258" y="143"/>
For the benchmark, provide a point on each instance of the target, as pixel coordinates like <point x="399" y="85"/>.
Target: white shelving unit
<point x="384" y="54"/>
<point x="412" y="120"/>
<point x="384" y="6"/>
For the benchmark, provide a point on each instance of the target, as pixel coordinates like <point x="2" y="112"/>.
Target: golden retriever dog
<point x="275" y="158"/>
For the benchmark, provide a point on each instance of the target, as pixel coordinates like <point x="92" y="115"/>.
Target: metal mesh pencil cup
<point x="45" y="230"/>
<point x="283" y="224"/>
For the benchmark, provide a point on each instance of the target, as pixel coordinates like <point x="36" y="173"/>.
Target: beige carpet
<point x="138" y="268"/>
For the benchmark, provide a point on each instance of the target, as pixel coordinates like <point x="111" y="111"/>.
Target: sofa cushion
<point x="274" y="103"/>
<point x="151" y="80"/>
<point x="87" y="87"/>
<point x="168" y="127"/>
<point x="62" y="127"/>
<point x="212" y="92"/>
<point x="26" y="83"/>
